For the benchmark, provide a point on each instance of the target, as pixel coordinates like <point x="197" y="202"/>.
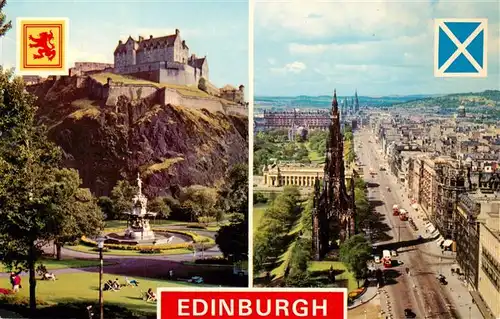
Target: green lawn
<point x="258" y="212"/>
<point x="52" y="264"/>
<point x="88" y="249"/>
<point x="85" y="287"/>
<point x="325" y="266"/>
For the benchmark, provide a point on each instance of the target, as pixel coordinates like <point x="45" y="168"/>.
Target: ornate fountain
<point x="138" y="221"/>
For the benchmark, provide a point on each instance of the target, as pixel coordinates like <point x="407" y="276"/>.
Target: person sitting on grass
<point x="131" y="282"/>
<point x="116" y="284"/>
<point x="108" y="285"/>
<point x="151" y="295"/>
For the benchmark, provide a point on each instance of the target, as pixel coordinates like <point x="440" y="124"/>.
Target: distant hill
<point x="488" y="98"/>
<point x="486" y="104"/>
<point x="487" y="101"/>
<point x="324" y="101"/>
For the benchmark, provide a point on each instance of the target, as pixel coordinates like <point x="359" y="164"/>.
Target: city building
<point x="489" y="258"/>
<point x="303" y="175"/>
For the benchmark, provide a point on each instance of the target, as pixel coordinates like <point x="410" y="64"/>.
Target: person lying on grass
<point x="49" y="276"/>
<point x="131" y="282"/>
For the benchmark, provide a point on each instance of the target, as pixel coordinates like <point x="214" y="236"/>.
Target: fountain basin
<point x="159" y="238"/>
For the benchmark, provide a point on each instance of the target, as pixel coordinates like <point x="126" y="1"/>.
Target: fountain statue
<point x="139" y="228"/>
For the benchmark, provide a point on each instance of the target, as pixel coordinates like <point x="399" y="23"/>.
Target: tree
<point x="122" y="195"/>
<point x="362" y="207"/>
<point x="232" y="240"/>
<point x="78" y="214"/>
<point x="355" y="252"/>
<point x="202" y="84"/>
<point x="106" y="205"/>
<point x="159" y="205"/>
<point x="201" y="200"/>
<point x="34" y="192"/>
<point x="4" y="26"/>
<point x="233" y="196"/>
<point x="348" y="136"/>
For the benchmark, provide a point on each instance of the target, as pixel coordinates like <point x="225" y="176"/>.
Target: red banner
<point x="252" y="303"/>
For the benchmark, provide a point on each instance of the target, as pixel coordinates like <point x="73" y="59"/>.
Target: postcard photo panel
<point x="123" y="145"/>
<point x="375" y="148"/>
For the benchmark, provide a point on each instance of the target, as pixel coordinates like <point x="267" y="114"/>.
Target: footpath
<point x="442" y="262"/>
<point x="370" y="293"/>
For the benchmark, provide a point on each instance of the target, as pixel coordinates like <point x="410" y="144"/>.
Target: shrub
<point x="18" y="300"/>
<point x="150" y="251"/>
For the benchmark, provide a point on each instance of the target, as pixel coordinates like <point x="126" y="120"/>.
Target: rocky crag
<point x="170" y="145"/>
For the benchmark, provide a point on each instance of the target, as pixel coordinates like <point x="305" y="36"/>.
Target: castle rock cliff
<point x="172" y="146"/>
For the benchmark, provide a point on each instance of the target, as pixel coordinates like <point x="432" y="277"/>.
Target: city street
<point x="418" y="290"/>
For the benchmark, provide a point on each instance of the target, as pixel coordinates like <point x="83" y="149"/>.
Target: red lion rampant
<point x="45" y="45"/>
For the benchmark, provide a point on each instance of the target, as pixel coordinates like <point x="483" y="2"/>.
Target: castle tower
<point x="332" y="204"/>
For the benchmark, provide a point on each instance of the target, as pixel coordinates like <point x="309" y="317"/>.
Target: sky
<point x="216" y="29"/>
<point x="377" y="47"/>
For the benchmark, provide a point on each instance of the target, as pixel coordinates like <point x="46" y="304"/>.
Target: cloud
<point x="376" y="45"/>
<point x="271" y="61"/>
<point x="294" y="67"/>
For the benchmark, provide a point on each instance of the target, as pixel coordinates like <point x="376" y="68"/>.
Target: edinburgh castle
<point x="163" y="60"/>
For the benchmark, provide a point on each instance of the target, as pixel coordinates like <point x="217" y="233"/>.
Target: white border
<point x="65" y="68"/>
<point x="248" y="290"/>
<point x="251" y="11"/>
<point x="483" y="22"/>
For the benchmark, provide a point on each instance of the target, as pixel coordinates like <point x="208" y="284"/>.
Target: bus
<point x="386" y="258"/>
<point x="395" y="210"/>
<point x="403" y="215"/>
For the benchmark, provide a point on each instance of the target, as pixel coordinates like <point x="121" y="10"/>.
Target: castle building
<point x="164" y="60"/>
<point x="231" y="93"/>
<point x="333" y="208"/>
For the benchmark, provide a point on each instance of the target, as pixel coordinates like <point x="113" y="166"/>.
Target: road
<point x="419" y="290"/>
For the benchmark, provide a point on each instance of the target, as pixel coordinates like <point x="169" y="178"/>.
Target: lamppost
<point x="100" y="245"/>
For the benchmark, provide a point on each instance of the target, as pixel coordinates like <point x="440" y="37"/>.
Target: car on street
<point x="394" y="253"/>
<point x="409" y="313"/>
<point x="376" y="259"/>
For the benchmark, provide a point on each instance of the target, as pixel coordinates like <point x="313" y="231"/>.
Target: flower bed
<point x="357" y="293"/>
<point x="195" y="237"/>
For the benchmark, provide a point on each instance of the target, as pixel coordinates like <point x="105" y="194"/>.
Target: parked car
<point x="376" y="259"/>
<point x="409" y="313"/>
<point x="394" y="253"/>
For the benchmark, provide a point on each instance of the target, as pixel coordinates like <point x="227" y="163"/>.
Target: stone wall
<point x="112" y="90"/>
<point x="237" y="96"/>
<point x="237" y="110"/>
<point x="133" y="92"/>
<point x="82" y="68"/>
<point x="165" y="72"/>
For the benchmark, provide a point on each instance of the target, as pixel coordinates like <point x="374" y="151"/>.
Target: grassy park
<point x="84" y="287"/>
<point x="258" y="212"/>
<point x="321" y="268"/>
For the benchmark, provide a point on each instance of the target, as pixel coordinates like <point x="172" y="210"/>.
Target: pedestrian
<point x="12" y="276"/>
<point x="171" y="274"/>
<point x="17" y="283"/>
